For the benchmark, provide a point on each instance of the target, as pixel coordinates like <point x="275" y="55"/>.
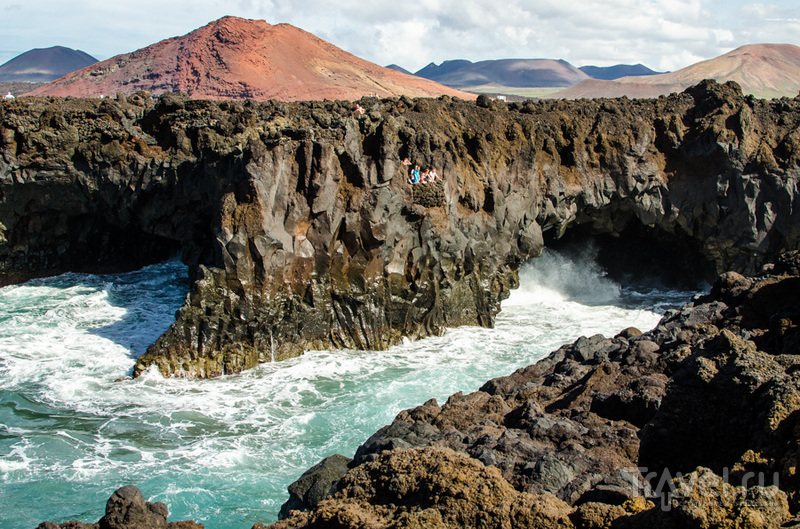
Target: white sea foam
<point x="223" y="451"/>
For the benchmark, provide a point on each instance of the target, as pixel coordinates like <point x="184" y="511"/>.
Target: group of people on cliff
<point x="421" y="177"/>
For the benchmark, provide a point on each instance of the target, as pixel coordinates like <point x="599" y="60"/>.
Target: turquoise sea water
<point x="223" y="451"/>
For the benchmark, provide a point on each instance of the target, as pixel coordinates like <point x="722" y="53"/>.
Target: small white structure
<point x="8" y="96"/>
<point x="501" y="98"/>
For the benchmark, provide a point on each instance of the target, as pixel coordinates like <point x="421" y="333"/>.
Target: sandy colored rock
<point x="703" y="499"/>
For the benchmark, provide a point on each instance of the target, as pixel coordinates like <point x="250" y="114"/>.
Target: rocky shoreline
<point x="301" y="230"/>
<point x="692" y="424"/>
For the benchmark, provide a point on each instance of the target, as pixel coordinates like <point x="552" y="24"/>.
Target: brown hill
<point x="764" y="70"/>
<point x="235" y="58"/>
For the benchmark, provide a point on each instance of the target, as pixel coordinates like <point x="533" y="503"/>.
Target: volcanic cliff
<point x="693" y="424"/>
<point x="302" y="231"/>
<point x="236" y="58"/>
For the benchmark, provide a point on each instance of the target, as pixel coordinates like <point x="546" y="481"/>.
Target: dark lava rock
<point x="301" y="231"/>
<point x="315" y="484"/>
<point x="127" y="509"/>
<point x="692" y="424"/>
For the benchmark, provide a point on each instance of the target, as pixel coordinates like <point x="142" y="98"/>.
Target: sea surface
<point x="223" y="451"/>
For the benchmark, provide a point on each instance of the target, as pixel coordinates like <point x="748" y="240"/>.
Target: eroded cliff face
<point x="692" y="424"/>
<point x="302" y="232"/>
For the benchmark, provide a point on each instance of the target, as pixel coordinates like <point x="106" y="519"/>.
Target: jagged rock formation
<point x="302" y="231"/>
<point x="693" y="424"/>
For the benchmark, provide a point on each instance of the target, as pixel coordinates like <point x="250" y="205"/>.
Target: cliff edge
<point x="302" y="231"/>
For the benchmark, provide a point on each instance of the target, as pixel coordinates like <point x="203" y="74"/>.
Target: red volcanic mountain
<point x="235" y="58"/>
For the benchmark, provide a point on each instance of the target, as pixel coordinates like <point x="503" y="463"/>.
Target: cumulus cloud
<point x="662" y="34"/>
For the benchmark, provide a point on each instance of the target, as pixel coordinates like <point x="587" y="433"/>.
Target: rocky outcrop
<point x="434" y="487"/>
<point x="127" y="509"/>
<point x="301" y="230"/>
<point x="692" y="424"/>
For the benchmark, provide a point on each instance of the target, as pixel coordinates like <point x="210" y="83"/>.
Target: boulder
<point x="316" y="483"/>
<point x="127" y="509"/>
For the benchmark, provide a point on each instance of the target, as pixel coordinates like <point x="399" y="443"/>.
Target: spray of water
<point x="223" y="451"/>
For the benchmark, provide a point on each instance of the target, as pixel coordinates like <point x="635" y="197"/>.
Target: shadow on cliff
<point x="150" y="297"/>
<point x="640" y="257"/>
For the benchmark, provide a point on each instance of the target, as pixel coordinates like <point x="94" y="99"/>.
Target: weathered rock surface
<point x="127" y="509"/>
<point x="302" y="232"/>
<point x="431" y="487"/>
<point x="692" y="424"/>
<point x="316" y="484"/>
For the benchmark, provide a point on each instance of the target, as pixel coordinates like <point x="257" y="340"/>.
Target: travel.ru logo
<point x="662" y="486"/>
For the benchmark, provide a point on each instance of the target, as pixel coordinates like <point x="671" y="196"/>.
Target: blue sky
<point x="662" y="34"/>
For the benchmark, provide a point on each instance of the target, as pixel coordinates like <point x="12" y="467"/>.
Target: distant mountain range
<point x="43" y="65"/>
<point x="506" y="72"/>
<point x="236" y="58"/>
<point x="462" y="73"/>
<point x="764" y="70"/>
<point x="609" y="73"/>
